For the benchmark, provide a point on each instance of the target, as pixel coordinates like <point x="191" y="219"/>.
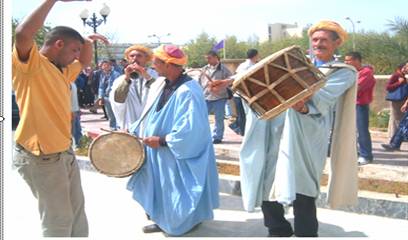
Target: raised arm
<point x="85" y="56"/>
<point x="26" y="30"/>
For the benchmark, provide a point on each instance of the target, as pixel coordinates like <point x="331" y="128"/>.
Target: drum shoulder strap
<point x="333" y="67"/>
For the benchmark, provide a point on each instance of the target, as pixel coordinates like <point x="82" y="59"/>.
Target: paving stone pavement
<point x="112" y="214"/>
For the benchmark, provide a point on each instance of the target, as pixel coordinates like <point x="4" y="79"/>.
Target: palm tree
<point x="399" y="26"/>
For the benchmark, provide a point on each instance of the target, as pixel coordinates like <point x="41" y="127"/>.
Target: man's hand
<point x="301" y="105"/>
<point x="99" y="101"/>
<point x="85" y="56"/>
<point x="134" y="67"/>
<point x="153" y="141"/>
<point x="218" y="85"/>
<point x="404" y="107"/>
<point x="97" y="36"/>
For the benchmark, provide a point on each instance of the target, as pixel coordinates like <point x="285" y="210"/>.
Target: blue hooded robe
<point x="178" y="184"/>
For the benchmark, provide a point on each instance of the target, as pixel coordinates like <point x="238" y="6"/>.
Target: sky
<point x="132" y="21"/>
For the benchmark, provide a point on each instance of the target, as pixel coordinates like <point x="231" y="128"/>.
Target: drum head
<point x="116" y="154"/>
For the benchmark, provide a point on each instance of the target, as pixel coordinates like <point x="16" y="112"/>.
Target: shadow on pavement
<point x="330" y="230"/>
<point x="255" y="228"/>
<point x="252" y="225"/>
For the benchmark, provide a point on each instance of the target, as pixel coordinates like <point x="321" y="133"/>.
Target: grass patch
<point x="84" y="143"/>
<point x="372" y="185"/>
<point x="379" y="120"/>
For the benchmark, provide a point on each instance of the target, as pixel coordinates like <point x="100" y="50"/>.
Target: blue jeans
<point x="228" y="110"/>
<point x="364" y="138"/>
<point x="401" y="134"/>
<point x="109" y="112"/>
<point x="76" y="129"/>
<point x="218" y="108"/>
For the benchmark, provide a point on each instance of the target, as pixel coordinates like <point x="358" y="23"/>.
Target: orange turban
<point x="329" y="26"/>
<point x="171" y="54"/>
<point x="141" y="48"/>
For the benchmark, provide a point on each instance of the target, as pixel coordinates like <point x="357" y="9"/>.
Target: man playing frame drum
<point x="178" y="184"/>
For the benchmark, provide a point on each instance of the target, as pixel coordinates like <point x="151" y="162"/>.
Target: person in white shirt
<point x="129" y="91"/>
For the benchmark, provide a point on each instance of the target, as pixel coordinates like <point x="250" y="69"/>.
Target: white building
<point x="278" y="31"/>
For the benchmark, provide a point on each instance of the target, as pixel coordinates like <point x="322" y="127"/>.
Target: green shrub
<point x="380" y="120"/>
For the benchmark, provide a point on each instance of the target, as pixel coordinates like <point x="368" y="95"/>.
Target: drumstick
<point x="106" y="130"/>
<point x="111" y="131"/>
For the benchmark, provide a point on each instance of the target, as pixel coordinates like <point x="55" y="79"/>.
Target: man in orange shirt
<point x="43" y="155"/>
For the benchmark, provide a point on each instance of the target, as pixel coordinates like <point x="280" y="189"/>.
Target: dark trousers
<point x="304" y="210"/>
<point x="401" y="134"/>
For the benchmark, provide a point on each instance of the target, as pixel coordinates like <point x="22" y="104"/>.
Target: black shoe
<point x="93" y="110"/>
<point x="152" y="228"/>
<point x="217" y="141"/>
<point x="389" y="147"/>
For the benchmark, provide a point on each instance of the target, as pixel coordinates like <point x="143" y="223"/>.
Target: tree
<point x="235" y="49"/>
<point x="399" y="26"/>
<point x="196" y="49"/>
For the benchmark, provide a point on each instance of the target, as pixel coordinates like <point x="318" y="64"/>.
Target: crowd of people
<point x="149" y="95"/>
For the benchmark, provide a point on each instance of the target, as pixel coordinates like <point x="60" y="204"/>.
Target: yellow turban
<point x="329" y="26"/>
<point x="141" y="48"/>
<point x="171" y="54"/>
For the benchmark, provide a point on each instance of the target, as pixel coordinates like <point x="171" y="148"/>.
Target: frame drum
<point x="278" y="81"/>
<point x="116" y="154"/>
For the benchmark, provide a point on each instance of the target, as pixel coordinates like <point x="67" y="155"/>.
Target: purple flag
<point x="218" y="46"/>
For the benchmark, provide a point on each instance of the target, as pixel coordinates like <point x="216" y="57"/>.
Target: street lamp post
<point x="94" y="22"/>
<point x="354" y="32"/>
<point x="158" y="37"/>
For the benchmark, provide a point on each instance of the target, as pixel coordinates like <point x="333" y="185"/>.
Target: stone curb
<point x="366" y="205"/>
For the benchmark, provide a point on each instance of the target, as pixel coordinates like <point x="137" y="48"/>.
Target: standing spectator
<point x="239" y="124"/>
<point x="43" y="155"/>
<point x="402" y="132"/>
<point x="396" y="81"/>
<point x="76" y="129"/>
<point x="123" y="63"/>
<point x="118" y="68"/>
<point x="83" y="83"/>
<point x="365" y="89"/>
<point x="216" y="100"/>
<point x="95" y="76"/>
<point x="252" y="59"/>
<point x="107" y="77"/>
<point x="95" y="79"/>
